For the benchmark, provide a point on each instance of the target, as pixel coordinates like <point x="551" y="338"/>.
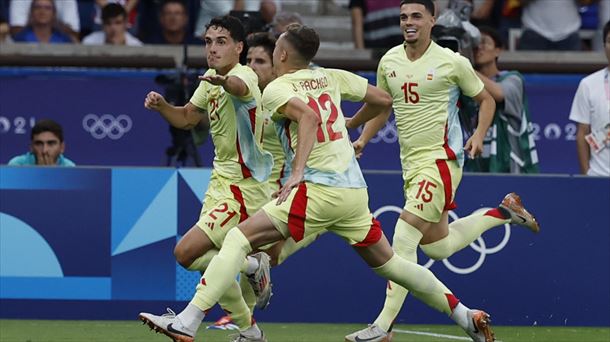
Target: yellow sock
<point x="462" y="232"/>
<point x="420" y="281"/>
<point x="201" y="263"/>
<point x="247" y="292"/>
<point x="405" y="241"/>
<point x="222" y="271"/>
<point x="233" y="303"/>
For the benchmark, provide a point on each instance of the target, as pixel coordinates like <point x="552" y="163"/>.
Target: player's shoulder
<point x="392" y="53"/>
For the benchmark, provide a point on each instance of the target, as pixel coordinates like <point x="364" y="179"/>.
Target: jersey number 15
<point x="411" y="95"/>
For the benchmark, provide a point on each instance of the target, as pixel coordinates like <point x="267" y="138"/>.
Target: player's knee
<point x="182" y="256"/>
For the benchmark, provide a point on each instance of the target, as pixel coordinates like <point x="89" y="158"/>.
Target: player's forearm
<point x="374" y="125"/>
<point x="308" y="125"/>
<point x="176" y="116"/>
<point x="486" y="116"/>
<point x="235" y="86"/>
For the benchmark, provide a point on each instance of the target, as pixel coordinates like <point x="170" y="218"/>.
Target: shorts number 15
<point x="411" y="95"/>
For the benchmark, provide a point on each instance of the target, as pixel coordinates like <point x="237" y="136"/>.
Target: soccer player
<point x="425" y="81"/>
<point x="325" y="189"/>
<point x="228" y="100"/>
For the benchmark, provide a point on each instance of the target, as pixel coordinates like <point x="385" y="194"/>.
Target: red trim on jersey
<point x="243" y="214"/>
<point x="298" y="213"/>
<point x="245" y="172"/>
<point x="443" y="169"/>
<point x="252" y="114"/>
<point x="287" y="130"/>
<point x="448" y="150"/>
<point x="373" y="235"/>
<point x="495" y="213"/>
<point x="452" y="301"/>
<point x="203" y="281"/>
<point x="389" y="285"/>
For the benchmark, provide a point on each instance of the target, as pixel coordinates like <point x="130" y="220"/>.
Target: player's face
<point x="260" y="61"/>
<point x="279" y="53"/>
<point x="486" y="52"/>
<point x="223" y="51"/>
<point x="416" y="23"/>
<point x="47" y="147"/>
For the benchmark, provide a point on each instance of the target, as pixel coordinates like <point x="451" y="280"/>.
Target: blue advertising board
<point x="97" y="243"/>
<point x="105" y="122"/>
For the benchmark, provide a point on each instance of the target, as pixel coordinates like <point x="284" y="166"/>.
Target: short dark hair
<point x="304" y="39"/>
<point x="231" y="24"/>
<point x="493" y="33"/>
<point x="428" y="4"/>
<point x="262" y="39"/>
<point x="112" y="10"/>
<point x="47" y="125"/>
<point x="606" y="30"/>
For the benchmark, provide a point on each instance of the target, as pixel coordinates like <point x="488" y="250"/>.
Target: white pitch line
<point x="450" y="337"/>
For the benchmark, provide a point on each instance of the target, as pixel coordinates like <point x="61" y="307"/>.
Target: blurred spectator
<point x="129" y="5"/>
<point x="509" y="144"/>
<point x="41" y="27"/>
<point x="603" y="11"/>
<point x="114" y="29"/>
<point x="375" y="24"/>
<point x="210" y="9"/>
<point x="66" y="13"/>
<point x="282" y="20"/>
<point x="5" y="36"/>
<point x="267" y="8"/>
<point x="591" y="110"/>
<point x="174" y="25"/>
<point x="550" y="25"/>
<point x="46" y="148"/>
<point x="502" y="15"/>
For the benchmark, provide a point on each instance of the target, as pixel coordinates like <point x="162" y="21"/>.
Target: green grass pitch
<point x="121" y="331"/>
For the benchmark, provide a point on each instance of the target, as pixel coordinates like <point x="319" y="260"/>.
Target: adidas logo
<point x="420" y="207"/>
<point x="392" y="74"/>
<point x="210" y="225"/>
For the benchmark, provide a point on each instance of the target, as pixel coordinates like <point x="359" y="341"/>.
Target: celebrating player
<point x="425" y="81"/>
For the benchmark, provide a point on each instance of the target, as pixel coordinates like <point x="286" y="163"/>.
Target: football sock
<point x="405" y="241"/>
<point x="247" y="292"/>
<point x="420" y="281"/>
<point x="462" y="232"/>
<point x="460" y="315"/>
<point x="222" y="270"/>
<point x="233" y="304"/>
<point x="290" y="246"/>
<point x="191" y="318"/>
<point x="201" y="263"/>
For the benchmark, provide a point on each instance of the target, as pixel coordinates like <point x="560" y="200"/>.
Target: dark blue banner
<point x="98" y="244"/>
<point x="105" y="122"/>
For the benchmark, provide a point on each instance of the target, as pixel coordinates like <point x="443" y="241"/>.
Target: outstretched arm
<point x="308" y="121"/>
<point x="184" y="117"/>
<point x="231" y="84"/>
<point x="375" y="113"/>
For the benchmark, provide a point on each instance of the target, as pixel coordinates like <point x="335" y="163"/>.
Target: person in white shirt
<point x="114" y="28"/>
<point x="550" y="25"/>
<point x="591" y="110"/>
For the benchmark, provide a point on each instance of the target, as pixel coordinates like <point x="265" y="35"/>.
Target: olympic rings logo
<point x="387" y="133"/>
<point x="107" y="126"/>
<point x="480" y="246"/>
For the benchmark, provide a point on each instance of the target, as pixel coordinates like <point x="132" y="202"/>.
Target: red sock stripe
<point x="238" y="196"/>
<point x="495" y="213"/>
<point x="245" y="172"/>
<point x="452" y="301"/>
<point x="372" y="236"/>
<point x="298" y="213"/>
<point x="443" y="169"/>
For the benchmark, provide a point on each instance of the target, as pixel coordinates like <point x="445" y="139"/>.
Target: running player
<point x="324" y="189"/>
<point x="228" y="99"/>
<point x="425" y="81"/>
